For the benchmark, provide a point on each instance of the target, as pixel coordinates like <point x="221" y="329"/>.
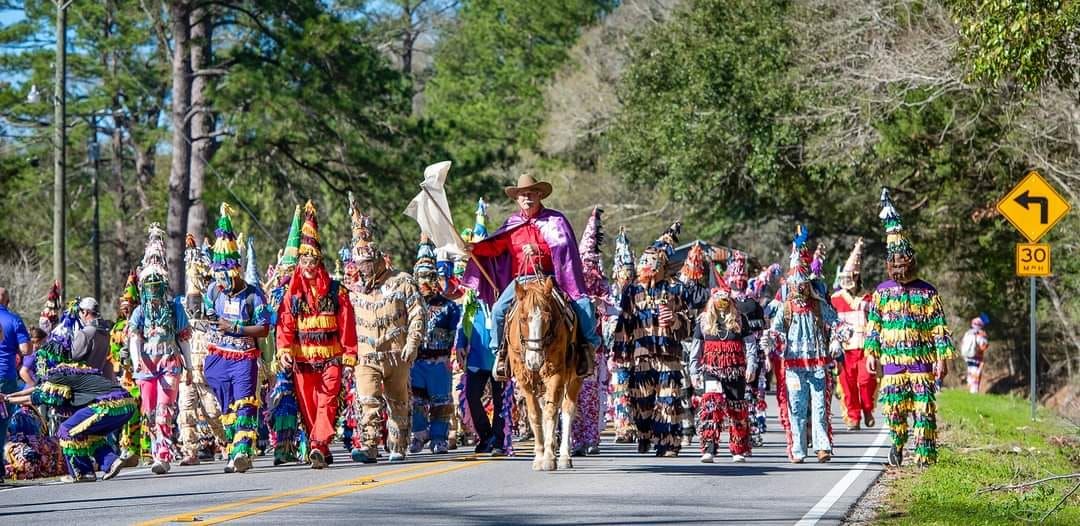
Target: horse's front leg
<point x="532" y="406"/>
<point x="552" y="399"/>
<point x="569" y="411"/>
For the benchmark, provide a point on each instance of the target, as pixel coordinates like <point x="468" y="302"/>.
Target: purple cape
<point x="560" y="238"/>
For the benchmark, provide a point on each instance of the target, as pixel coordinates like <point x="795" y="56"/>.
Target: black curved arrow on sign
<point x="1025" y="200"/>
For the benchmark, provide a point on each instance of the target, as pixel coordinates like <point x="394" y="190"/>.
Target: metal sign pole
<point x="1034" y="372"/>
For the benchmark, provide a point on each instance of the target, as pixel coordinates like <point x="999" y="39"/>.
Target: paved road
<point x="617" y="487"/>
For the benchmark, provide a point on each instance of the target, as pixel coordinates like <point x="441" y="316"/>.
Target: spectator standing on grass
<point x="974" y="346"/>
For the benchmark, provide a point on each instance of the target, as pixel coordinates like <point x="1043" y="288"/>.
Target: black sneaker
<point x="318" y="461"/>
<point x="484" y="446"/>
<point x="498" y="452"/>
<point x="896" y="457"/>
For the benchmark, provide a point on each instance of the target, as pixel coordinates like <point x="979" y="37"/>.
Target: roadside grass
<point x="988" y="440"/>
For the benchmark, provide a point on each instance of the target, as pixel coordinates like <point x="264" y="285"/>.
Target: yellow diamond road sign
<point x="1033" y="206"/>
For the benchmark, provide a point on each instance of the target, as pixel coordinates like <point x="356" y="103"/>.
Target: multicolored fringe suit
<point x="432" y="404"/>
<point x="282" y="413"/>
<point x="656" y="405"/>
<point x="906" y="330"/>
<point x="316" y="327"/>
<point x="858" y="384"/>
<point x="160" y="332"/>
<point x="389" y="330"/>
<point x="621" y="366"/>
<point x="803" y="327"/>
<point x="197" y="398"/>
<point x="97" y="407"/>
<point x="755" y="389"/>
<point x="232" y="365"/>
<point x="722" y="358"/>
<point x="591" y="403"/>
<point x="131" y="435"/>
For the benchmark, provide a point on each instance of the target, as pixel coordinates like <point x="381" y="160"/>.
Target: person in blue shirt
<point x="14" y="340"/>
<point x="473" y="349"/>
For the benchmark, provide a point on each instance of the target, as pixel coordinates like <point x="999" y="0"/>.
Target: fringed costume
<point x="651" y="325"/>
<point x="589" y="418"/>
<point x="390" y="323"/>
<point x="907" y="333"/>
<point x="859" y="385"/>
<point x="621" y="363"/>
<point x="131" y="434"/>
<point x="159" y="336"/>
<point x="317" y="330"/>
<point x="282" y="410"/>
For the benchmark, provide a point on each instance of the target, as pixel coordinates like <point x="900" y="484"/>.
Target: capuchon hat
<point x="309" y="233"/>
<point x="226" y="250"/>
<point x="363" y="235"/>
<point x="896" y="240"/>
<point x="154" y="267"/>
<point x="693" y="268"/>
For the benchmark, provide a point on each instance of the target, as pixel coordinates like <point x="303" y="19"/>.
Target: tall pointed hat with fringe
<point x="290" y="256"/>
<point x="251" y="267"/>
<point x="693" y="268"/>
<point x="363" y="234"/>
<point x="664" y="246"/>
<point x="853" y="265"/>
<point x="799" y="263"/>
<point x="896" y="240"/>
<point x="624" y="255"/>
<point x="309" y="234"/>
<point x="130" y="295"/>
<point x="425" y="257"/>
<point x="226" y="252"/>
<point x="154" y="267"/>
<point x="197" y="267"/>
<point x="592" y="239"/>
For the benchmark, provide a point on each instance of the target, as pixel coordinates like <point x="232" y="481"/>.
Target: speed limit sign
<point x="1032" y="259"/>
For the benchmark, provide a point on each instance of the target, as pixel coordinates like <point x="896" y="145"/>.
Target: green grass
<point x="987" y="440"/>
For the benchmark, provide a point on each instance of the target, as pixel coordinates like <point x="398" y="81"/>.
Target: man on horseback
<point x="535" y="241"/>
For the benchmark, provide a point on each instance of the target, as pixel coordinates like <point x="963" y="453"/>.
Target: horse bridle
<point x="543" y="341"/>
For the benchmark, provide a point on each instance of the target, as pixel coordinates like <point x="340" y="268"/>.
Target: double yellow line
<point x="338" y="488"/>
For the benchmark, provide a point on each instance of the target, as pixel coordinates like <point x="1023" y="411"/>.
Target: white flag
<point x="431" y="211"/>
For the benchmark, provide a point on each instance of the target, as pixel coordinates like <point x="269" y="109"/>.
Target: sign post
<point x="1033" y="207"/>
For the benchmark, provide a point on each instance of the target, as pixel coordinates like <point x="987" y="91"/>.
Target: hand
<point x="224" y="325"/>
<point x="409" y="353"/>
<point x="871" y="364"/>
<point x="285" y="360"/>
<point x="666" y="317"/>
<point x="942" y="369"/>
<point x="467" y="250"/>
<point x="749" y="376"/>
<point x="698" y="381"/>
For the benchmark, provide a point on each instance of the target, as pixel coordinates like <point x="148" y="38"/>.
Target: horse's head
<point x="536" y="320"/>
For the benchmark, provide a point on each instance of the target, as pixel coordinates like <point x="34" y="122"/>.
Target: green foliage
<point x="491" y="68"/>
<point x="987" y="441"/>
<point x="1029" y="42"/>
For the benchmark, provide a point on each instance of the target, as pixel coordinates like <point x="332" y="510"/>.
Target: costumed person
<point x="429" y="376"/>
<point x="906" y="333"/>
<point x="533" y="243"/>
<point x="94" y="406"/>
<point x="232" y="361"/>
<point x="473" y="346"/>
<point x="745" y="297"/>
<point x="159" y="338"/>
<point x="90" y="344"/>
<point x="652" y="323"/>
<point x="197" y="396"/>
<point x="857" y="383"/>
<point x="803" y="322"/>
<point x="131" y="435"/>
<point x="622" y="360"/>
<point x="316" y="338"/>
<point x="590" y="414"/>
<point x="973" y="347"/>
<point x="390" y="324"/>
<point x="723" y="360"/>
<point x="282" y="411"/>
<point x="693" y="287"/>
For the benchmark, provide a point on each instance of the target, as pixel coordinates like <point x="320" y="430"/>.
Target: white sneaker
<point x="160" y="467"/>
<point x="241" y="463"/>
<point x="738" y="458"/>
<point x="685" y="441"/>
<point x="707" y="458"/>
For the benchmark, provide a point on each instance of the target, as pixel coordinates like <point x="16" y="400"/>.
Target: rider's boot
<point x="500" y="371"/>
<point x="586" y="360"/>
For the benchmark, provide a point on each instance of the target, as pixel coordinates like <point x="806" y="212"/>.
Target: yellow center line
<point x="362" y="486"/>
<point x="191" y="515"/>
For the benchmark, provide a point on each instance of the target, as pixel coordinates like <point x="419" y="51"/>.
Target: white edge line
<point x="826" y="503"/>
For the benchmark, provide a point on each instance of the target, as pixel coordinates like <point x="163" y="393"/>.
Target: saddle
<point x="578" y="351"/>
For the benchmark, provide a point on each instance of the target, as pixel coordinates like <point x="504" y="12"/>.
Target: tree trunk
<point x="123" y="261"/>
<point x="180" y="171"/>
<point x="202" y="121"/>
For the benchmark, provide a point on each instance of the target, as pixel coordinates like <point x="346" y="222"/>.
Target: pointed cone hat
<point x="309" y="233"/>
<point x="154" y="266"/>
<point x="896" y="240"/>
<point x="226" y="251"/>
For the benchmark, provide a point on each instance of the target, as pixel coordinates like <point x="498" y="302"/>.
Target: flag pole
<point x="457" y="234"/>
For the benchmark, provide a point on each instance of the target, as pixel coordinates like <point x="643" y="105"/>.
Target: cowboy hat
<point x="526" y="182"/>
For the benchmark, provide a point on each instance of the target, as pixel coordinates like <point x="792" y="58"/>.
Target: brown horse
<point x="539" y="340"/>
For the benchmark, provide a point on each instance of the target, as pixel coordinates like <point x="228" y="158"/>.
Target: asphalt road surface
<point x="617" y="487"/>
